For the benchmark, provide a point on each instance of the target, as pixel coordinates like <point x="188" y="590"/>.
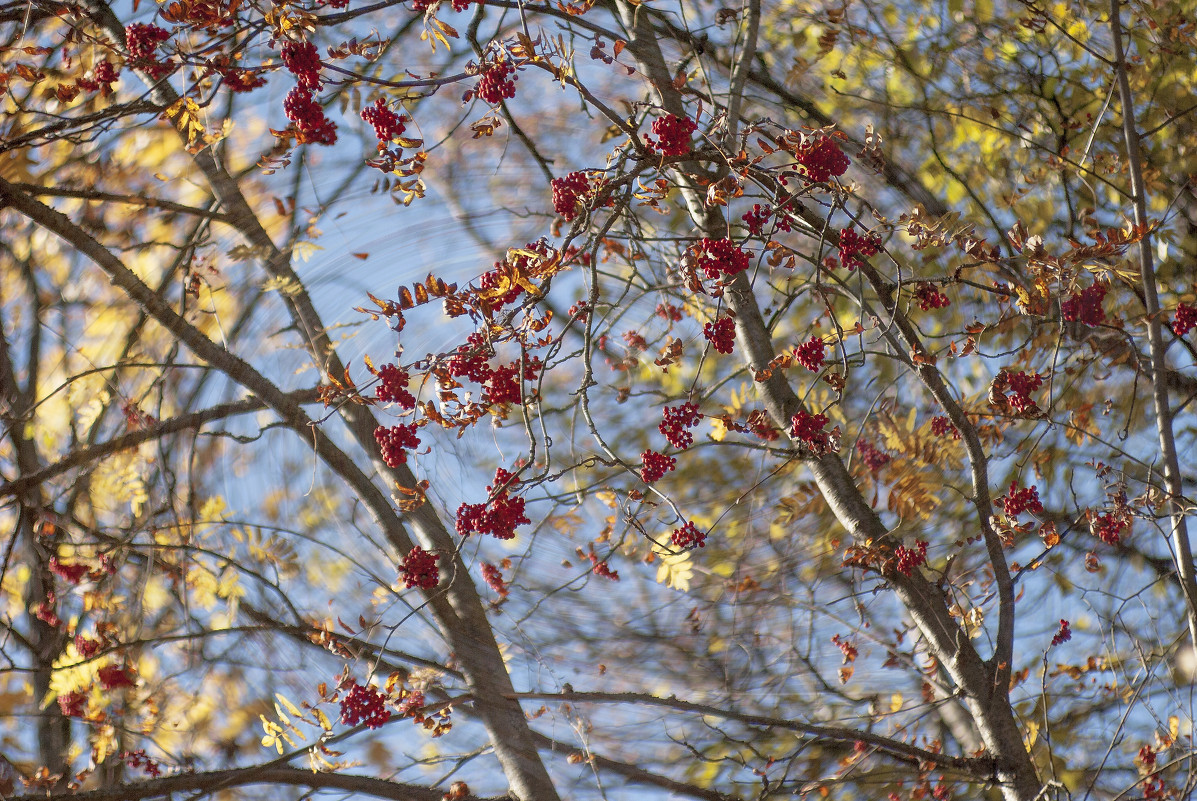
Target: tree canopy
<point x="597" y="399"/>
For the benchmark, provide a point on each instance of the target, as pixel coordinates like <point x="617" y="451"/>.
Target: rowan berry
<point x="1185" y="319"/>
<point x="568" y="194"/>
<point x="494" y="579"/>
<point x="873" y="457"/>
<point x="311" y="126"/>
<point x="667" y="311"/>
<point x="720" y="257"/>
<point x="808" y="428"/>
<point x="87" y="647"/>
<point x="942" y="427"/>
<point x="688" y="536"/>
<point x="392" y="386"/>
<point x="656" y="465"/>
<point x="1022" y="384"/>
<point x="1085" y="306"/>
<point x="673" y="135"/>
<point x="113" y="677"/>
<point x="73" y="704"/>
<point x="387" y="124"/>
<point x="930" y="298"/>
<point x="303" y="61"/>
<point x="72" y="573"/>
<point x="756" y="219"/>
<point x="854" y="248"/>
<point x="1064" y="634"/>
<point x="910" y="558"/>
<point x="675" y="421"/>
<point x="395" y="441"/>
<point x="497" y="82"/>
<point x="811" y="354"/>
<point x="364" y="705"/>
<point x="142" y="42"/>
<point x="419" y="569"/>
<point x="721" y="334"/>
<point x="1019" y="500"/>
<point x="821" y="158"/>
<point x="1108" y="527"/>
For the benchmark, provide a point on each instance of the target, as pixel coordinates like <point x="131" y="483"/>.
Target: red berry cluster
<point x="138" y="760"/>
<point x="568" y="193"/>
<point x="240" y="81"/>
<point x="676" y="419"/>
<point x="1020" y="500"/>
<point x="673" y="135"/>
<point x="311" y="126"/>
<point x="1085" y="306"/>
<point x="1064" y="634"/>
<point x="142" y="41"/>
<point x="720" y="257"/>
<point x="497" y="517"/>
<point x="667" y="311"/>
<point x="930" y="298"/>
<point x="910" y="558"/>
<point x="103" y="75"/>
<point x="421" y="6"/>
<point x="811" y="354"/>
<point x="364" y="705"/>
<point x="854" y="248"/>
<point x="392" y="386"/>
<point x="873" y="457"/>
<point x="822" y="158"/>
<point x="46" y="611"/>
<point x="721" y="334"/>
<point x="808" y="428"/>
<point x="504" y="386"/>
<point x="1185" y="319"/>
<point x="656" y="465"/>
<point x="471" y="359"/>
<point x="113" y="676"/>
<point x="395" y="441"/>
<point x="494" y="579"/>
<point x="419" y="569"/>
<point x="497" y="82"/>
<point x="847" y="648"/>
<point x="635" y="340"/>
<point x="1108" y="527"/>
<point x="1021" y="385"/>
<point x="73" y="704"/>
<point x="303" y="61"/>
<point x="756" y="219"/>
<point x="87" y="647"/>
<point x="942" y="427"/>
<point x="387" y="124"/>
<point x="70" y="573"/>
<point x="688" y="537"/>
<point x="600" y="567"/>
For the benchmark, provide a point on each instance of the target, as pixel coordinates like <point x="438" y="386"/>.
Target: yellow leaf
<point x="895" y="702"/>
<point x="294" y="710"/>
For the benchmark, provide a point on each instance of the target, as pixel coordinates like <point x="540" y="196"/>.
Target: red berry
<point x="676" y="419"/>
<point x="497" y="82"/>
<point x="392" y="387"/>
<point x="942" y="427"/>
<point x="142" y="41"/>
<point x="673" y="135"/>
<point x="568" y="194"/>
<point x="871" y="455"/>
<point x="394" y="442"/>
<point x="303" y="61"/>
<point x="910" y="558"/>
<point x="929" y="297"/>
<point x="419" y="569"/>
<point x="364" y="705"/>
<point x="822" y="158"/>
<point x="494" y="579"/>
<point x="310" y="123"/>
<point x="1019" y="500"/>
<point x="1085" y="306"/>
<point x="387" y="124"/>
<point x="811" y="354"/>
<point x="1064" y="634"/>
<point x="688" y="536"/>
<point x="854" y="247"/>
<point x="808" y="428"/>
<point x="656" y="465"/>
<point x="1185" y="319"/>
<point x="720" y="257"/>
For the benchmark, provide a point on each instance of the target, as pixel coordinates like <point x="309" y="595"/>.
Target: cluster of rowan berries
<point x="873" y="457"/>
<point x="721" y="334"/>
<point x="1020" y="385"/>
<point x="387" y="124"/>
<point x="103" y="75"/>
<point x="600" y="567"/>
<point x="499" y="516"/>
<point x="854" y="248"/>
<point x="822" y="158"/>
<point x="139" y="761"/>
<point x="1185" y="319"/>
<point x="303" y="61"/>
<point x="688" y="536"/>
<point x="910" y="558"/>
<point x="1063" y="634"/>
<point x="811" y="354"/>
<point x="73" y="704"/>
<point x="808" y="428"/>
<point x="656" y="465"/>
<point x="1019" y="500"/>
<point x="568" y="193"/>
<point x="114" y="676"/>
<point x="673" y="135"/>
<point x="423" y="5"/>
<point x="497" y="82"/>
<point x="675" y="421"/>
<point x="756" y="219"/>
<point x="395" y="441"/>
<point x="494" y="579"/>
<point x="504" y="386"/>
<point x="1085" y="306"/>
<point x="667" y="311"/>
<point x="720" y="257"/>
<point x="419" y="569"/>
<point x="392" y="386"/>
<point x="364" y="704"/>
<point x="311" y="126"/>
<point x="942" y="426"/>
<point x="929" y="297"/>
<point x="142" y="41"/>
<point x="1108" y="527"/>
